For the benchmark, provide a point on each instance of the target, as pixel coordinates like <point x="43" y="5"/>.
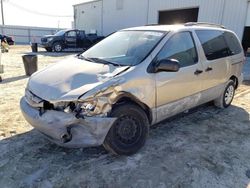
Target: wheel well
<point x="143" y="106"/>
<point x="235" y="79"/>
<point x="57" y="41"/>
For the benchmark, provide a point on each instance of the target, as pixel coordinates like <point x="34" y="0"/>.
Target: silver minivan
<point x="111" y="94"/>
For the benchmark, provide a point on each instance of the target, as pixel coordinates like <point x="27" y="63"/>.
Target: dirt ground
<point x="207" y="147"/>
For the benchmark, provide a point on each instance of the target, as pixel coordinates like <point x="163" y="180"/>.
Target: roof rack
<point x="152" y="24"/>
<point x="204" y="24"/>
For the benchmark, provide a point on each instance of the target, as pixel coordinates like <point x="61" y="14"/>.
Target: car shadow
<point x="13" y="79"/>
<point x="36" y="160"/>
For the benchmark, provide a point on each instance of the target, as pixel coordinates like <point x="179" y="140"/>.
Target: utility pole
<point x="2" y="12"/>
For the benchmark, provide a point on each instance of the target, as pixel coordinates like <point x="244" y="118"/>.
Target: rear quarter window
<point x="233" y="43"/>
<point x="213" y="43"/>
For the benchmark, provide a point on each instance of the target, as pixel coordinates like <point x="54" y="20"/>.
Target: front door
<point x="178" y="91"/>
<point x="71" y="39"/>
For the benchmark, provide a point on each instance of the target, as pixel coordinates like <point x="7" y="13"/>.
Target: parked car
<point x="9" y="39"/>
<point x="69" y="39"/>
<point x="136" y="77"/>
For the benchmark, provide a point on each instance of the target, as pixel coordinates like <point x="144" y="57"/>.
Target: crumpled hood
<point x="70" y="78"/>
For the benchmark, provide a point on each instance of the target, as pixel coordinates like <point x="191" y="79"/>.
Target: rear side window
<point x="82" y="34"/>
<point x="213" y="43"/>
<point x="180" y="47"/>
<point x="71" y="34"/>
<point x="233" y="43"/>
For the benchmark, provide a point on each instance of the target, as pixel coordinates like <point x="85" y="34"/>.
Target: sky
<point x="40" y="13"/>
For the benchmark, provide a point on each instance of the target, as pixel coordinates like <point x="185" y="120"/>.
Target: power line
<point x="36" y="12"/>
<point x="2" y="12"/>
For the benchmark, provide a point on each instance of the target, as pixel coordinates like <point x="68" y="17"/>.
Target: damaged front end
<point x="69" y="124"/>
<point x="72" y="110"/>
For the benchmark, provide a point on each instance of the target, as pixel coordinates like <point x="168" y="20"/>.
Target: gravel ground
<point x="206" y="147"/>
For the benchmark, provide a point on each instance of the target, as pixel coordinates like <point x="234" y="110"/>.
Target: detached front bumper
<point x="65" y="129"/>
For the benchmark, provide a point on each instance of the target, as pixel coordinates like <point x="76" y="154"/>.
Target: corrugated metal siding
<point x="231" y="13"/>
<point x="133" y="13"/>
<point x="234" y="16"/>
<point x="210" y="11"/>
<point x="248" y="15"/>
<point x="88" y="16"/>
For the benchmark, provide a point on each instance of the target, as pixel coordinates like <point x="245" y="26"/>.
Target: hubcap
<point x="229" y="94"/>
<point x="58" y="47"/>
<point x="127" y="130"/>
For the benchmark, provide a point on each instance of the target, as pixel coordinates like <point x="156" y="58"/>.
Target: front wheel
<point x="129" y="132"/>
<point x="226" y="98"/>
<point x="57" y="47"/>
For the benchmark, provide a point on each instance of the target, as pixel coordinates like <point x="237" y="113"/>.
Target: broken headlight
<point x="79" y="108"/>
<point x="61" y="106"/>
<point x="86" y="107"/>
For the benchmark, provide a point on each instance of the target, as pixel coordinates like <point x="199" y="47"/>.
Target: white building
<point x="107" y="16"/>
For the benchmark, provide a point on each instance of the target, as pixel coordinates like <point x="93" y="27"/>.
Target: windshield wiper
<point x="99" y="60"/>
<point x="80" y="56"/>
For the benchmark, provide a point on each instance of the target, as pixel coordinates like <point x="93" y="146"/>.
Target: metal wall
<point x="25" y="35"/>
<point x="235" y="15"/>
<point x="88" y="16"/>
<point x="118" y="14"/>
<point x="230" y="13"/>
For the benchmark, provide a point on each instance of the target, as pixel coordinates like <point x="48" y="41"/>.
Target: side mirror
<point x="167" y="65"/>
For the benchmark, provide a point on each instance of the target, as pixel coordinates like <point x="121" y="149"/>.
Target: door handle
<point x="197" y="72"/>
<point x="209" y="69"/>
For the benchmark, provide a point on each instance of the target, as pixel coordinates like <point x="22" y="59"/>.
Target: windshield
<point x="60" y="33"/>
<point x="124" y="48"/>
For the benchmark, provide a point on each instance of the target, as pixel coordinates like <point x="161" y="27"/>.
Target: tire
<point x="57" y="47"/>
<point x="129" y="132"/>
<point x="48" y="49"/>
<point x="227" y="96"/>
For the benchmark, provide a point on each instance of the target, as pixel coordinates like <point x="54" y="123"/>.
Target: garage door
<point x="178" y="16"/>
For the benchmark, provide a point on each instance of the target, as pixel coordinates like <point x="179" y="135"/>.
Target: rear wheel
<point x="57" y="47"/>
<point x="227" y="96"/>
<point x="129" y="132"/>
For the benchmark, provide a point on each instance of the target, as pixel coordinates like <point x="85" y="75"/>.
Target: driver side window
<point x="71" y="34"/>
<point x="180" y="47"/>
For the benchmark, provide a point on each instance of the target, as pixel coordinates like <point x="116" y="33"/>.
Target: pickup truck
<point x="9" y="40"/>
<point x="69" y="39"/>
